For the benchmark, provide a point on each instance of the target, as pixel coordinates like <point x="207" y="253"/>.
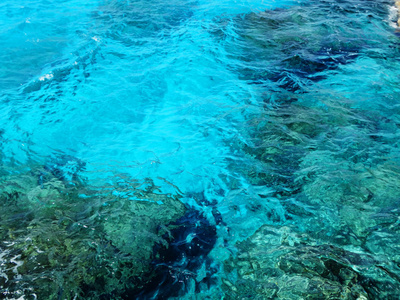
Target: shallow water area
<point x="171" y="150"/>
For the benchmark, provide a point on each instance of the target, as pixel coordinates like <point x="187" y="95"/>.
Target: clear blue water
<point x="255" y="114"/>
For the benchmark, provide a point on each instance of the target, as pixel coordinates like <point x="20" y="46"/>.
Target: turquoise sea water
<point x="199" y="150"/>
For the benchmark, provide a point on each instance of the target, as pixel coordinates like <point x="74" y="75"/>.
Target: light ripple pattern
<point x="199" y="150"/>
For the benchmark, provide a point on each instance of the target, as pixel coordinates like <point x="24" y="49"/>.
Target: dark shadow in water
<point x="299" y="45"/>
<point x="178" y="263"/>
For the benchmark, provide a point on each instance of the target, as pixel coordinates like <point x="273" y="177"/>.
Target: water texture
<point x="199" y="150"/>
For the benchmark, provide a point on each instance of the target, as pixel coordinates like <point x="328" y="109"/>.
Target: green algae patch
<point x="66" y="240"/>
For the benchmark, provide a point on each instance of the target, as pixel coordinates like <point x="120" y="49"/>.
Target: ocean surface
<point x="201" y="149"/>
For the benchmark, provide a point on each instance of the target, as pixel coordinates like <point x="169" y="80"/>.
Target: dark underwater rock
<point x="299" y="45"/>
<point x="178" y="261"/>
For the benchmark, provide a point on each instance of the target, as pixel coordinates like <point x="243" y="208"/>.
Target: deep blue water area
<point x="187" y="149"/>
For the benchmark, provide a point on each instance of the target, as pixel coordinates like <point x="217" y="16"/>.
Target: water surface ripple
<point x="199" y="150"/>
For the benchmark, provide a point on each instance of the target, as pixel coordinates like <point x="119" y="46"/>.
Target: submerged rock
<point x="334" y="170"/>
<point x="279" y="139"/>
<point x="326" y="161"/>
<point x="67" y="240"/>
<point x="276" y="263"/>
<point x="182" y="266"/>
<point x="296" y="46"/>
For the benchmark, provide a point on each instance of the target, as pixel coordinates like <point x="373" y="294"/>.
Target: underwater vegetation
<point x="279" y="127"/>
<point x="61" y="239"/>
